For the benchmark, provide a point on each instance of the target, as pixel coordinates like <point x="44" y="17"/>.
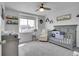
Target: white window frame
<point x="27" y="23"/>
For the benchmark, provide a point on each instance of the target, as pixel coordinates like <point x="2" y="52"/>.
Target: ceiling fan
<point x="42" y="8"/>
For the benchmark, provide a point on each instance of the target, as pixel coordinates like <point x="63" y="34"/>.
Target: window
<point x="26" y="25"/>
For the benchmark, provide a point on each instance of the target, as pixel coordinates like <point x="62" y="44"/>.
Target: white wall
<point x="15" y="28"/>
<point x="74" y="20"/>
<point x="11" y="27"/>
<point x="25" y="37"/>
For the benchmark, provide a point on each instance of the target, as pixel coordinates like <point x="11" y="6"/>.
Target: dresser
<point x="10" y="46"/>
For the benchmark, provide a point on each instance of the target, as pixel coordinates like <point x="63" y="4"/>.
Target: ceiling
<point x="30" y="7"/>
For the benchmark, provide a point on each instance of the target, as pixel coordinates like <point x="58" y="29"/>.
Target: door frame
<point x="1" y="27"/>
<point x="0" y="32"/>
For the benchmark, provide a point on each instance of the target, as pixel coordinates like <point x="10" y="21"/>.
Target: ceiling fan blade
<point x="47" y="8"/>
<point x="36" y="10"/>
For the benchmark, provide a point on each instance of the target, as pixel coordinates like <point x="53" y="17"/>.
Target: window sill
<point x="25" y="32"/>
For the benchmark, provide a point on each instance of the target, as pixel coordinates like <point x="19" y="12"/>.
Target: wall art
<point x="47" y="19"/>
<point x="41" y="21"/>
<point x="63" y="17"/>
<point x="77" y="15"/>
<point x="50" y="21"/>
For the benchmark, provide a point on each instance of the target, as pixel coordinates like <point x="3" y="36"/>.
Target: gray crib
<point x="69" y="40"/>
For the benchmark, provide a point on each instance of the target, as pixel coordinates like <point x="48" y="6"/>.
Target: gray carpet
<point x="36" y="48"/>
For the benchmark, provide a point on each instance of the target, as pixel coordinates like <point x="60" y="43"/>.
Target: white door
<point x="1" y="28"/>
<point x="0" y="36"/>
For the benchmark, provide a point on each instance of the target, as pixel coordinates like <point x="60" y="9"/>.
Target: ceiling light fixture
<point x="41" y="9"/>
